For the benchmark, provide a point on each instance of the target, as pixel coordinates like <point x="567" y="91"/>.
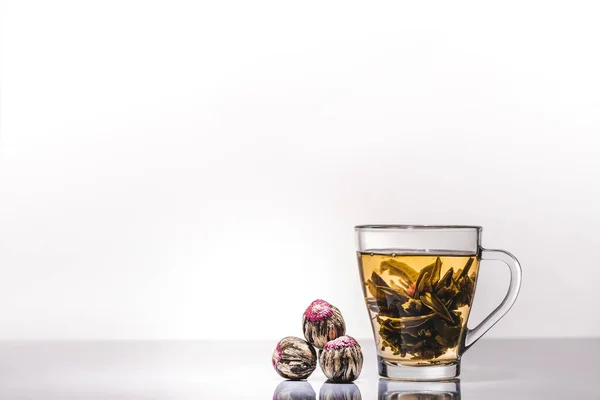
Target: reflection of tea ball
<point x="339" y="391"/>
<point x="341" y="359"/>
<point x="294" y="358"/>
<point x="294" y="390"/>
<point x="322" y="322"/>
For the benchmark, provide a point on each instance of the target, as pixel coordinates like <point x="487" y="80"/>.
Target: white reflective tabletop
<point x="492" y="369"/>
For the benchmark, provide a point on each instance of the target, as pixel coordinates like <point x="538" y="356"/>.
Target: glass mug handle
<point x="473" y="335"/>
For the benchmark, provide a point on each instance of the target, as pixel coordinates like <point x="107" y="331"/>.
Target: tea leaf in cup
<point x="434" y="303"/>
<point x="466" y="269"/>
<point x="466" y="288"/>
<point x="382" y="291"/>
<point x="378" y="293"/>
<point x="412" y="307"/>
<point x="409" y="322"/>
<point x="451" y="331"/>
<point x="446" y="280"/>
<point x="435" y="272"/>
<point x="378" y="280"/>
<point x="400" y="269"/>
<point x="447" y="294"/>
<point x="423" y="284"/>
<point x="392" y="296"/>
<point x="400" y="291"/>
<point x="442" y="340"/>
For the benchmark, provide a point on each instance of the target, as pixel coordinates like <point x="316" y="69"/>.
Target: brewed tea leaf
<point x="395" y="286"/>
<point x="409" y="322"/>
<point x="446" y="280"/>
<point x="444" y="342"/>
<point x="392" y="295"/>
<point x="448" y="293"/>
<point x="466" y="269"/>
<point x="412" y="307"/>
<point x="378" y="292"/>
<point x="385" y="295"/>
<point x="400" y="269"/>
<point x="377" y="280"/>
<point x="399" y="290"/>
<point x="423" y="285"/>
<point x="450" y="332"/>
<point x="432" y="271"/>
<point x="466" y="287"/>
<point x="457" y="275"/>
<point x="428" y="269"/>
<point x="436" y="272"/>
<point x="433" y="302"/>
<point x="372" y="288"/>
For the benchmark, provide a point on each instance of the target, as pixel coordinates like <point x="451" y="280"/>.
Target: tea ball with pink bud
<point x="341" y="359"/>
<point x="294" y="358"/>
<point x="322" y="322"/>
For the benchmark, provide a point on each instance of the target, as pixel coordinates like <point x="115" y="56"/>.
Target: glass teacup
<point x="419" y="282"/>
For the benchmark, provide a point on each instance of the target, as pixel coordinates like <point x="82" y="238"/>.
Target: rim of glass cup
<point x="400" y="226"/>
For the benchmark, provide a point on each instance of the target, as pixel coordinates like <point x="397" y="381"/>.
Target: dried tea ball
<point x="341" y="359"/>
<point x="294" y="390"/>
<point x="322" y="322"/>
<point x="339" y="391"/>
<point x="294" y="358"/>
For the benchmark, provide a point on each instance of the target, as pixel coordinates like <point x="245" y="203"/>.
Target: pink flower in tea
<point x="411" y="290"/>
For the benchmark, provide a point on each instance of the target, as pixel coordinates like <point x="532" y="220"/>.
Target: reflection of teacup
<point x="398" y="390"/>
<point x="339" y="391"/>
<point x="419" y="283"/>
<point x="294" y="390"/>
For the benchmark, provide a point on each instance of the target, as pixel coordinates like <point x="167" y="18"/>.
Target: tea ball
<point x="341" y="359"/>
<point x="294" y="390"/>
<point x="322" y="322"/>
<point x="294" y="358"/>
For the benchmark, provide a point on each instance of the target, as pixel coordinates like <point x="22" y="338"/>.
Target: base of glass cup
<point x="401" y="372"/>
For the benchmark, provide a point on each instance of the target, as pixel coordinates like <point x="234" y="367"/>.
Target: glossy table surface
<point x="492" y="369"/>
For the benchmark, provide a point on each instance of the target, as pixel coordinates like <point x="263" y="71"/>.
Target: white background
<point x="194" y="169"/>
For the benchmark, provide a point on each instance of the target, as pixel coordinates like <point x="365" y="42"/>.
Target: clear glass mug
<point x="419" y="282"/>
